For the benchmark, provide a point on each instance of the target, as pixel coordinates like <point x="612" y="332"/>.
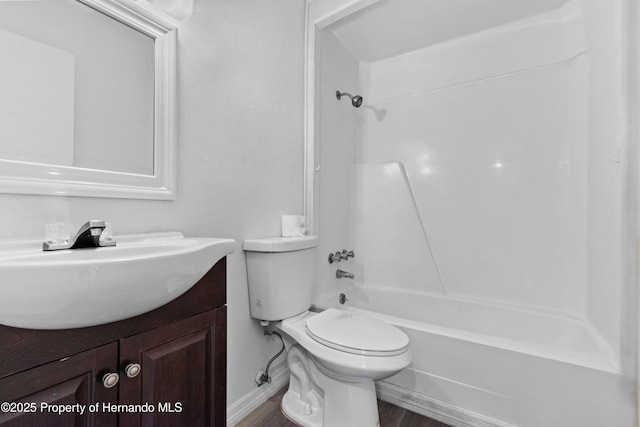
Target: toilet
<point x="337" y="355"/>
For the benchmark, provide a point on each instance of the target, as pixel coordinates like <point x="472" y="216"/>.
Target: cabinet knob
<point x="110" y="379"/>
<point x="132" y="370"/>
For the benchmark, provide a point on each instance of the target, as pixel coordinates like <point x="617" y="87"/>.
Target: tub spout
<point x="340" y="274"/>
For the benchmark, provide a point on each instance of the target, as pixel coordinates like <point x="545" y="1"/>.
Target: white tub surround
<point x="487" y="187"/>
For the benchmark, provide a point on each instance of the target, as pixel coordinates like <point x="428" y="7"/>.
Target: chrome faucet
<point x="88" y="236"/>
<point x="341" y="256"/>
<point x="340" y="274"/>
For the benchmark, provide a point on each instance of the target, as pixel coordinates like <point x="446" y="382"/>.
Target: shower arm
<point x="356" y="100"/>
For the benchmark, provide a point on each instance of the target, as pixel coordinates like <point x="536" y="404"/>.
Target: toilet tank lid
<point x="280" y="244"/>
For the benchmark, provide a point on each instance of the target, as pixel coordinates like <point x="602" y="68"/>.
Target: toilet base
<point x="294" y="408"/>
<point x="315" y="399"/>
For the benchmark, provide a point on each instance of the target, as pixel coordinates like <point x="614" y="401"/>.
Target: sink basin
<point x="86" y="287"/>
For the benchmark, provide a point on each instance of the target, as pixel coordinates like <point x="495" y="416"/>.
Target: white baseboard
<point x="434" y="408"/>
<point x="399" y="396"/>
<point x="250" y="401"/>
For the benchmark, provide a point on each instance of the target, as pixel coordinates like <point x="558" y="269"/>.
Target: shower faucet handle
<point x="341" y="256"/>
<point x="337" y="257"/>
<point x="346" y="255"/>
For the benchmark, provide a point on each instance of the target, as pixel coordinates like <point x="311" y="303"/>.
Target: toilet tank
<point x="280" y="271"/>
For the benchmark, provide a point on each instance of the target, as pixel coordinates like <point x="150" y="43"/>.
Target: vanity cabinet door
<point x="75" y="382"/>
<point x="182" y="373"/>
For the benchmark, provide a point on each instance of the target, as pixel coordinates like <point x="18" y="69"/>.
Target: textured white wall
<point x="240" y="104"/>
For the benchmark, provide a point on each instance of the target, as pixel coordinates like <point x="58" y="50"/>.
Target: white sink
<point x="86" y="287"/>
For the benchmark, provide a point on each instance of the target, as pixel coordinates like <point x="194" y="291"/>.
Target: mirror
<point x="86" y="93"/>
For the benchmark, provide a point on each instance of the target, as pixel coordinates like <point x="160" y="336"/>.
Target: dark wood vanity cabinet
<point x="32" y="394"/>
<point x="179" y="379"/>
<point x="179" y="351"/>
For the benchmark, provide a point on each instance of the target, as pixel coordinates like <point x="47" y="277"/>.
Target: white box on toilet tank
<point x="280" y="272"/>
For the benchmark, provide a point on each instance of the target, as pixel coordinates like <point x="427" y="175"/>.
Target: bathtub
<point x="487" y="364"/>
<point x="478" y="189"/>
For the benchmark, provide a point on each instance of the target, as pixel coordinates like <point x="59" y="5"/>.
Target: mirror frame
<point x="19" y="177"/>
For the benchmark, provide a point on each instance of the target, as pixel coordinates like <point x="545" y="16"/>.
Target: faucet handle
<point x="337" y="257"/>
<point x="340" y="256"/>
<point x="56" y="232"/>
<point x="106" y="237"/>
<point x="344" y="255"/>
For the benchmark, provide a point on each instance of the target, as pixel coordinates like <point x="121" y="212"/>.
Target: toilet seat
<point x="355" y="334"/>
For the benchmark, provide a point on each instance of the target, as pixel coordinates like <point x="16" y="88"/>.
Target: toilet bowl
<point x="336" y="359"/>
<point x="336" y="355"/>
<point x="363" y="348"/>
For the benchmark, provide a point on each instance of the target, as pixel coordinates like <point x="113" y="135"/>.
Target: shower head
<point x="356" y="100"/>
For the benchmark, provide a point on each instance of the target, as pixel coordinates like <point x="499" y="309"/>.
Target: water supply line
<point x="263" y="377"/>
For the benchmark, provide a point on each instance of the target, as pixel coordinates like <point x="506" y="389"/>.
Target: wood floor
<point x="270" y="415"/>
